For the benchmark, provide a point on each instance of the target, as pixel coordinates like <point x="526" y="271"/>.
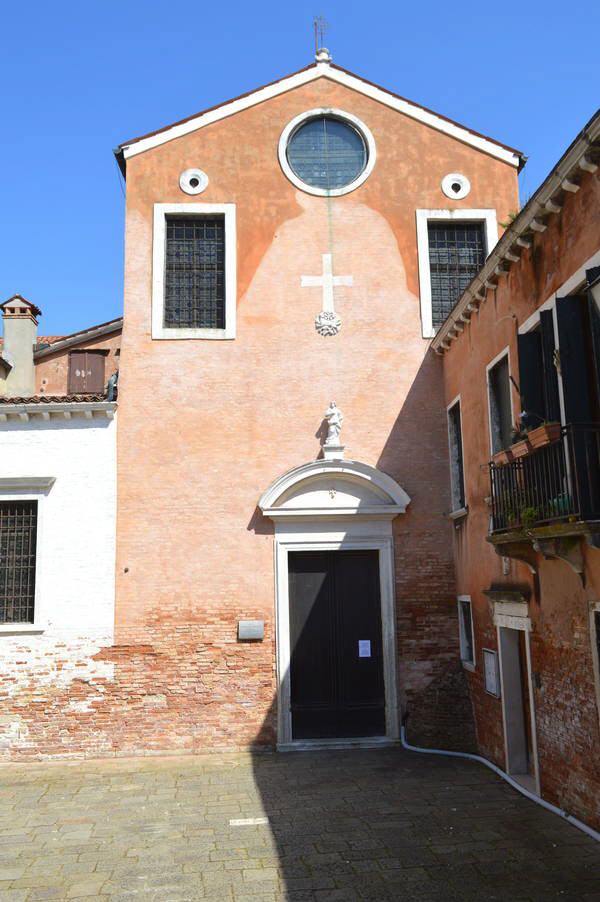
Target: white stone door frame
<point x="334" y="505"/>
<point x="515" y="616"/>
<point x="333" y="540"/>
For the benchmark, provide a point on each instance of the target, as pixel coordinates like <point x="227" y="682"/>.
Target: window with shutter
<point x="501" y="423"/>
<point x="577" y="360"/>
<point x="18" y="539"/>
<point x="538" y="378"/>
<point x="86" y="372"/>
<point x="593" y="278"/>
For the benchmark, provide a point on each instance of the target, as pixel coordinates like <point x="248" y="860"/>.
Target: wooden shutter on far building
<point x="552" y="402"/>
<point x="592" y="276"/>
<point x="574" y="358"/>
<point x="538" y="379"/>
<point x="86" y="372"/>
<point x="531" y="377"/>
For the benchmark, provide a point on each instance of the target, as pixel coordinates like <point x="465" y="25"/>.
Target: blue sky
<point x="77" y="78"/>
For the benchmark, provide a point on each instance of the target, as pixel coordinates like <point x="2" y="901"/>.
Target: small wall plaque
<point x="251" y="630"/>
<point x="364" y="648"/>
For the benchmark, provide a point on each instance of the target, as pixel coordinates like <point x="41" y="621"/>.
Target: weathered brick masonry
<point x="565" y="697"/>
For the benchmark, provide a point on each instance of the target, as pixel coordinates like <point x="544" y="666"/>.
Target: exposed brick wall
<point x="442" y="715"/>
<point x="566" y="702"/>
<point x="175" y="692"/>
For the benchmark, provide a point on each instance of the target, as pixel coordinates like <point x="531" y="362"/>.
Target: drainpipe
<point x="529" y="795"/>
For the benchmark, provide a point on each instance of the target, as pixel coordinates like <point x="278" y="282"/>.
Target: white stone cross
<point x="327" y="322"/>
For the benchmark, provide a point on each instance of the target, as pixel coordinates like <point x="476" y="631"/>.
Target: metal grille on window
<point x="195" y="273"/>
<point x="18" y="538"/>
<point x="456" y="254"/>
<point x="466" y="632"/>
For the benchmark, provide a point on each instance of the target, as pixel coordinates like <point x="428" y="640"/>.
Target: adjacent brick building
<point x="521" y="350"/>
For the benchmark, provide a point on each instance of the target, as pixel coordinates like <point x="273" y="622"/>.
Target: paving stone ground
<point x="343" y="825"/>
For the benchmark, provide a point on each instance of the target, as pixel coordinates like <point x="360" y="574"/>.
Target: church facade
<point x="284" y="569"/>
<point x="280" y="255"/>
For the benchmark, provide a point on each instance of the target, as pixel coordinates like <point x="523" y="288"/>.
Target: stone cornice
<point x="582" y="156"/>
<point x="57" y="410"/>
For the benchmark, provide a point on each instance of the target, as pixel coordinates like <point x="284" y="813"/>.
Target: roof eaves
<point x="119" y="150"/>
<point x="295" y="79"/>
<point x="66" y="341"/>
<point x="372" y="84"/>
<point x="55" y="407"/>
<point x="519" y="234"/>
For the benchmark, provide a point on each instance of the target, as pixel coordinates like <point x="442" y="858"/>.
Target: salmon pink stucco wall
<point x="565" y="696"/>
<point x="206" y="426"/>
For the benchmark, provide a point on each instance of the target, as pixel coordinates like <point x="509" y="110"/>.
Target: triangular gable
<point x="304" y="76"/>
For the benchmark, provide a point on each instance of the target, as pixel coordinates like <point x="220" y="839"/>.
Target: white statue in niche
<point x="335" y="418"/>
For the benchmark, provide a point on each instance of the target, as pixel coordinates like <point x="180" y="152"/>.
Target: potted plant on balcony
<point x="504" y="456"/>
<point x="520" y="445"/>
<point x="545" y="434"/>
<point x="529" y="517"/>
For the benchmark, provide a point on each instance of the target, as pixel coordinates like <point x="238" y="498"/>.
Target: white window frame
<point x="34" y="488"/>
<point x="453" y="486"/>
<point x="197" y="211"/>
<point x="595" y="609"/>
<point x="504" y="353"/>
<point x="466" y="663"/>
<point x="486" y="216"/>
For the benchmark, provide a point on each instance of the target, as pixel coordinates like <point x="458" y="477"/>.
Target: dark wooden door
<point x="336" y="666"/>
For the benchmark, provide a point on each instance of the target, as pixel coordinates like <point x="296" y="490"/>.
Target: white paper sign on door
<point x="364" y="648"/>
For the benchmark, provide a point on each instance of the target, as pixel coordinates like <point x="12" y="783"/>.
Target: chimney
<point x="17" y="375"/>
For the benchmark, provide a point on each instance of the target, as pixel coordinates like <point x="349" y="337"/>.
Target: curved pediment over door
<point x="334" y="489"/>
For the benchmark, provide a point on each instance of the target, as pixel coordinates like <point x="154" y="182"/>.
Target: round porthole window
<point x="455" y="185"/>
<point x="193" y="181"/>
<point x="327" y="152"/>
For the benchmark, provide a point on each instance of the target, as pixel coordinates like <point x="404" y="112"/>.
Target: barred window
<point x="456" y="457"/>
<point x="456" y="254"/>
<point x="18" y="540"/>
<point x="465" y="625"/>
<point x="195" y="273"/>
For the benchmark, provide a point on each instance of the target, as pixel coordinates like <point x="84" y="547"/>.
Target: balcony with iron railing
<point x="550" y="491"/>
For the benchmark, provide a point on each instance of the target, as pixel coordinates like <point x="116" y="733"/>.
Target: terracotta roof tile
<point x="49" y="399"/>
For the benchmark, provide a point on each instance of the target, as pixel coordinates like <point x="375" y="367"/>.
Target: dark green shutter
<point x="551" y="396"/>
<point x="573" y="359"/>
<point x="531" y="378"/>
<point x="593" y="275"/>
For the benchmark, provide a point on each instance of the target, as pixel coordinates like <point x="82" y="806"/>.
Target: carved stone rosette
<point x="327" y="322"/>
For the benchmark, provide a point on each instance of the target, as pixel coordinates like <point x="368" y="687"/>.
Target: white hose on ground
<point x="529" y="795"/>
